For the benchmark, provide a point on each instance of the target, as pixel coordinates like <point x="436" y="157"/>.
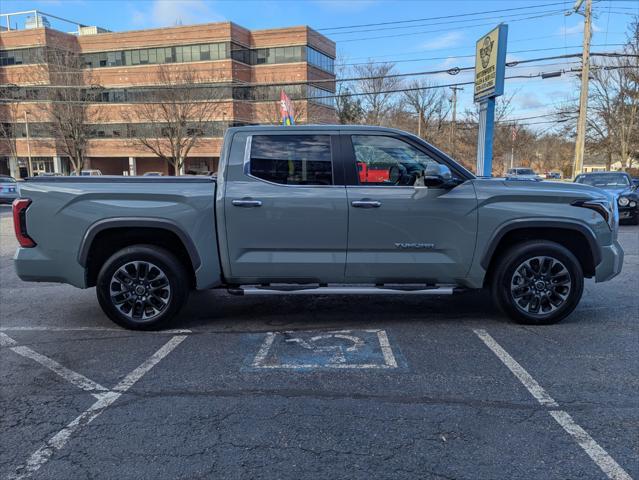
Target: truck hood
<point x="532" y="191"/>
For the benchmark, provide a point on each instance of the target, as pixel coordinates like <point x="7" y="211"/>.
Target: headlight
<point x="623" y="201"/>
<point x="606" y="208"/>
<point x="633" y="204"/>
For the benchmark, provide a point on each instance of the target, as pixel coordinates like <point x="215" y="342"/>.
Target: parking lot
<point x="318" y="387"/>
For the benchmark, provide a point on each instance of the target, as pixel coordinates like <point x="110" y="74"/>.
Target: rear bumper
<point x="611" y="262"/>
<point x="8" y="197"/>
<point x="32" y="265"/>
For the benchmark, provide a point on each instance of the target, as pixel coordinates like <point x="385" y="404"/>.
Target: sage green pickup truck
<point x="331" y="210"/>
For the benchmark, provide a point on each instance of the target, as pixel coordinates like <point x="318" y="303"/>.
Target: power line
<point x="403" y="27"/>
<point x="440" y="18"/>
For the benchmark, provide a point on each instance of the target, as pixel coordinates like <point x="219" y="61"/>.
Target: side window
<point x="292" y="159"/>
<point x="388" y="161"/>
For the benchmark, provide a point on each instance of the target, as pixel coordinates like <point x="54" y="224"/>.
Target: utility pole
<point x="419" y="123"/>
<point x="453" y="125"/>
<point x="26" y="126"/>
<point x="583" y="97"/>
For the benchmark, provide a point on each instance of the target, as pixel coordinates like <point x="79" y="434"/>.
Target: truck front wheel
<point x="142" y="287"/>
<point x="537" y="282"/>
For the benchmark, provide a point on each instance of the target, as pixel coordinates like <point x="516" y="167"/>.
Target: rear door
<point x="285" y="209"/>
<point x="399" y="233"/>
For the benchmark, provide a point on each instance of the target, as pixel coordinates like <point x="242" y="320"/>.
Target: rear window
<point x="292" y="159"/>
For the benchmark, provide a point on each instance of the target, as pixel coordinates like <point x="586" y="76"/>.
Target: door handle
<point x="366" y="204"/>
<point x="247" y="203"/>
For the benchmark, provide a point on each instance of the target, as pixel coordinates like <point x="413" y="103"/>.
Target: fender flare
<point x="557" y="224"/>
<point x="144" y="222"/>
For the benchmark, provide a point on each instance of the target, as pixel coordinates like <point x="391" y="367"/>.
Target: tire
<point x="161" y="281"/>
<point x="518" y="277"/>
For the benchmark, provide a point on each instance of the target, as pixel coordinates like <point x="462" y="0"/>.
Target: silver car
<point x="8" y="189"/>
<point x="522" y="174"/>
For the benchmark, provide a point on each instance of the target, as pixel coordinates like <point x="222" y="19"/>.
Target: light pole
<point x="26" y="126"/>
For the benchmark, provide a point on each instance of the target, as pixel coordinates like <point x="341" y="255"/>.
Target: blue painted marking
<point x="337" y="349"/>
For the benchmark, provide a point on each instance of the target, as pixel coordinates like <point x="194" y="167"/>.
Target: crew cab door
<point x="285" y="209"/>
<point x="397" y="232"/>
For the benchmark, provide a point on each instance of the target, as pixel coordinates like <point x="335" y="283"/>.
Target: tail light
<point x="20" y="206"/>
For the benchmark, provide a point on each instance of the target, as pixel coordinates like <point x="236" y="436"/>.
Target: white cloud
<point x="447" y="40"/>
<point x="166" y="13"/>
<point x="577" y="29"/>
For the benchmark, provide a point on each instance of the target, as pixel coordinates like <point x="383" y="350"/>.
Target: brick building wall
<point x="257" y="58"/>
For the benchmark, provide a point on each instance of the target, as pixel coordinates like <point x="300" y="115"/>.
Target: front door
<point x="286" y="211"/>
<point x="400" y="233"/>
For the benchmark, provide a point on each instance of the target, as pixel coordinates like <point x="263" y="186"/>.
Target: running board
<point x="342" y="291"/>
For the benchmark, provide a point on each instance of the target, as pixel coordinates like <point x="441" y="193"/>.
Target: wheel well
<point x="110" y="240"/>
<point x="573" y="240"/>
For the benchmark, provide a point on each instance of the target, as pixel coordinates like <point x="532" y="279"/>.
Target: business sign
<point x="490" y="63"/>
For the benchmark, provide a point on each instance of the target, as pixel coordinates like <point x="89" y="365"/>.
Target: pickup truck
<point x="288" y="214"/>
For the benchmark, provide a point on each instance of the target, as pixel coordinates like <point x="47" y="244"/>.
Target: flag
<point x="286" y="109"/>
<point x="513" y="131"/>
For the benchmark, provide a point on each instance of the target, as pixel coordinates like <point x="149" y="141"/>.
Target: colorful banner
<point x="286" y="109"/>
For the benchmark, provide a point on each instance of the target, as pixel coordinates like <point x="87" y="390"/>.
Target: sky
<point x="424" y="45"/>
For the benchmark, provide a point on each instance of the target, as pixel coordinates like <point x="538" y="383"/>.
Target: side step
<point x="253" y="290"/>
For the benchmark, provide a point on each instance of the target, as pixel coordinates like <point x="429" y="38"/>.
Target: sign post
<point x="490" y="66"/>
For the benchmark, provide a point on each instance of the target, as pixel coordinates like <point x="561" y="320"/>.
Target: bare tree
<point x="65" y="104"/>
<point x="8" y="114"/>
<point x="179" y="116"/>
<point x="428" y="103"/>
<point x="376" y="89"/>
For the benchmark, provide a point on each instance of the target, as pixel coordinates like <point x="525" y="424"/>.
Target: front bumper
<point x="626" y="213"/>
<point x="611" y="262"/>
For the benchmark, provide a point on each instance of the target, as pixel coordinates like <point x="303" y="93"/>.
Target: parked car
<point x="8" y="189"/>
<point x="620" y="186"/>
<point x="153" y="174"/>
<point x="554" y="176"/>
<point x="522" y="174"/>
<point x="288" y="214"/>
<point x="87" y="173"/>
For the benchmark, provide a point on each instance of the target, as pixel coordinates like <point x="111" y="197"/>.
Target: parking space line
<point x="603" y="460"/>
<point x="105" y="399"/>
<point x="6" y="340"/>
<point x="75" y="378"/>
<point x="176" y="331"/>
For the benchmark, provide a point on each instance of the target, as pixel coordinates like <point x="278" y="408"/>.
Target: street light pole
<point x="26" y="125"/>
<point x="583" y="97"/>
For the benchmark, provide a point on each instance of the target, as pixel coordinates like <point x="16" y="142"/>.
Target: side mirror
<point x="436" y="175"/>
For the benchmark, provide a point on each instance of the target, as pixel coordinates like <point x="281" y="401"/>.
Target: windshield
<point x="604" y="180"/>
<point x="525" y="171"/>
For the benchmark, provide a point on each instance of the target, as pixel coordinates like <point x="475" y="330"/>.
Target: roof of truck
<point x="280" y="128"/>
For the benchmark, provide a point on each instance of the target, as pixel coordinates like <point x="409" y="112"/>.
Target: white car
<point x="522" y="174"/>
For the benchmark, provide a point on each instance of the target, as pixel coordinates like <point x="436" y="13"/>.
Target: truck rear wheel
<point x="142" y="287"/>
<point x="537" y="283"/>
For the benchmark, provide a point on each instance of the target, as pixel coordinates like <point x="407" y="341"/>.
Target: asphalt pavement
<point x="318" y="387"/>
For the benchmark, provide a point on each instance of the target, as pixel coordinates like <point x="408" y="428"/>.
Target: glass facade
<point x="122" y="130"/>
<point x="320" y="60"/>
<point x="213" y="91"/>
<point x="22" y="56"/>
<point x="181" y="54"/>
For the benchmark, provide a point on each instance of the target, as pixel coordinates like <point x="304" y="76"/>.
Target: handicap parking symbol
<point x="356" y="349"/>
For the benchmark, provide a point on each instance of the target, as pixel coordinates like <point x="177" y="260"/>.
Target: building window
<point x="292" y="159"/>
<point x="320" y="60"/>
